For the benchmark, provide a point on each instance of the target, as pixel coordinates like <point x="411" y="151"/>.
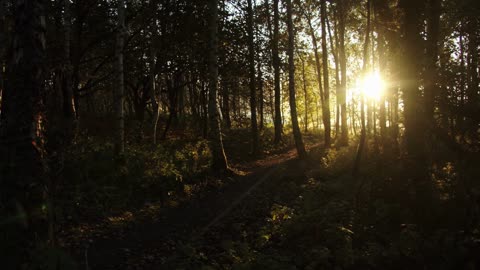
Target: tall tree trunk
<point x="382" y="68"/>
<point x="68" y="104"/>
<point x="411" y="92"/>
<point x="473" y="76"/>
<point x="205" y="104"/>
<point x="318" y="66"/>
<point x="433" y="29"/>
<point x="326" y="84"/>
<point x="251" y="69"/>
<point x="291" y="83"/>
<point x="334" y="50"/>
<point x="219" y="159"/>
<point x="152" y="85"/>
<point x="363" y="132"/>
<point x="22" y="170"/>
<point x="119" y="91"/>
<point x="260" y="77"/>
<point x="276" y="68"/>
<point x="413" y="114"/>
<point x="343" y="70"/>
<point x="226" y="104"/>
<point x="305" y="96"/>
<point x="3" y="41"/>
<point x="461" y="107"/>
<point x="260" y="93"/>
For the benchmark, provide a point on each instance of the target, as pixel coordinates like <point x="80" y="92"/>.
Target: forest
<point x="239" y="134"/>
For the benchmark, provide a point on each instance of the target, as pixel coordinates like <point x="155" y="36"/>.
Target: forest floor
<point x="279" y="212"/>
<point x="168" y="235"/>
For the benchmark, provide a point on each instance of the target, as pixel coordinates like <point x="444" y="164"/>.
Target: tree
<point x="252" y="84"/>
<point x="151" y="75"/>
<point x="472" y="25"/>
<point x="22" y="170"/>
<point x="119" y="91"/>
<point x="276" y="68"/>
<point x="68" y="106"/>
<point x="326" y="84"/>
<point x="342" y="99"/>
<point x="411" y="93"/>
<point x="219" y="159"/>
<point x="3" y="41"/>
<point x="414" y="118"/>
<point x="318" y="65"/>
<point x="291" y="83"/>
<point x="433" y="21"/>
<point x="363" y="134"/>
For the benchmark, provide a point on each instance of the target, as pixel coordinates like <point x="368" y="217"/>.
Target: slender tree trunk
<point x="305" y="96"/>
<point x="251" y="68"/>
<point x="152" y="86"/>
<point x="119" y="91"/>
<point x="291" y="84"/>
<point x="363" y="132"/>
<point x="395" y="118"/>
<point x="276" y="68"/>
<point x="205" y="104"/>
<point x="260" y="77"/>
<point x="3" y="41"/>
<point x="334" y="50"/>
<point x="68" y="104"/>
<point x="318" y="66"/>
<point x="226" y="105"/>
<point x="270" y="60"/>
<point x="326" y="84"/>
<point x="473" y="109"/>
<point x="260" y="94"/>
<point x="382" y="69"/>
<point x="22" y="170"/>
<point x="343" y="70"/>
<point x="460" y="114"/>
<point x="414" y="117"/>
<point x="433" y="29"/>
<point x="411" y="92"/>
<point x="219" y="159"/>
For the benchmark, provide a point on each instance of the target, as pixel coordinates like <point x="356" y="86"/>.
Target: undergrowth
<point x="334" y="221"/>
<point x="97" y="184"/>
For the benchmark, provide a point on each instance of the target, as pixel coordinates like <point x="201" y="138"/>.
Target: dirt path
<point x="144" y="243"/>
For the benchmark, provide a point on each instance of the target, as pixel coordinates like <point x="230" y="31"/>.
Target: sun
<point x="372" y="85"/>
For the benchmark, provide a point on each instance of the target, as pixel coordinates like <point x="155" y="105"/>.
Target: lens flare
<point x="372" y="85"/>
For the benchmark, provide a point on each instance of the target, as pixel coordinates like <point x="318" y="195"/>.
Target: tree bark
<point x="473" y="76"/>
<point x="305" y="95"/>
<point x="411" y="93"/>
<point x="382" y="69"/>
<point x="318" y="66"/>
<point x="68" y="104"/>
<point x="334" y="50"/>
<point x="152" y="85"/>
<point x="226" y="105"/>
<point x="326" y="84"/>
<point x="433" y="29"/>
<point x="276" y="68"/>
<point x="119" y="91"/>
<point x="260" y="93"/>
<point x="219" y="159"/>
<point x="363" y="132"/>
<point x="291" y="84"/>
<point x="22" y="169"/>
<point x="252" y="84"/>
<point x="343" y="71"/>
<point x="3" y="41"/>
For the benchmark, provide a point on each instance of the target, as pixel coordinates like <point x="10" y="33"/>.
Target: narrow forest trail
<point x="152" y="243"/>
